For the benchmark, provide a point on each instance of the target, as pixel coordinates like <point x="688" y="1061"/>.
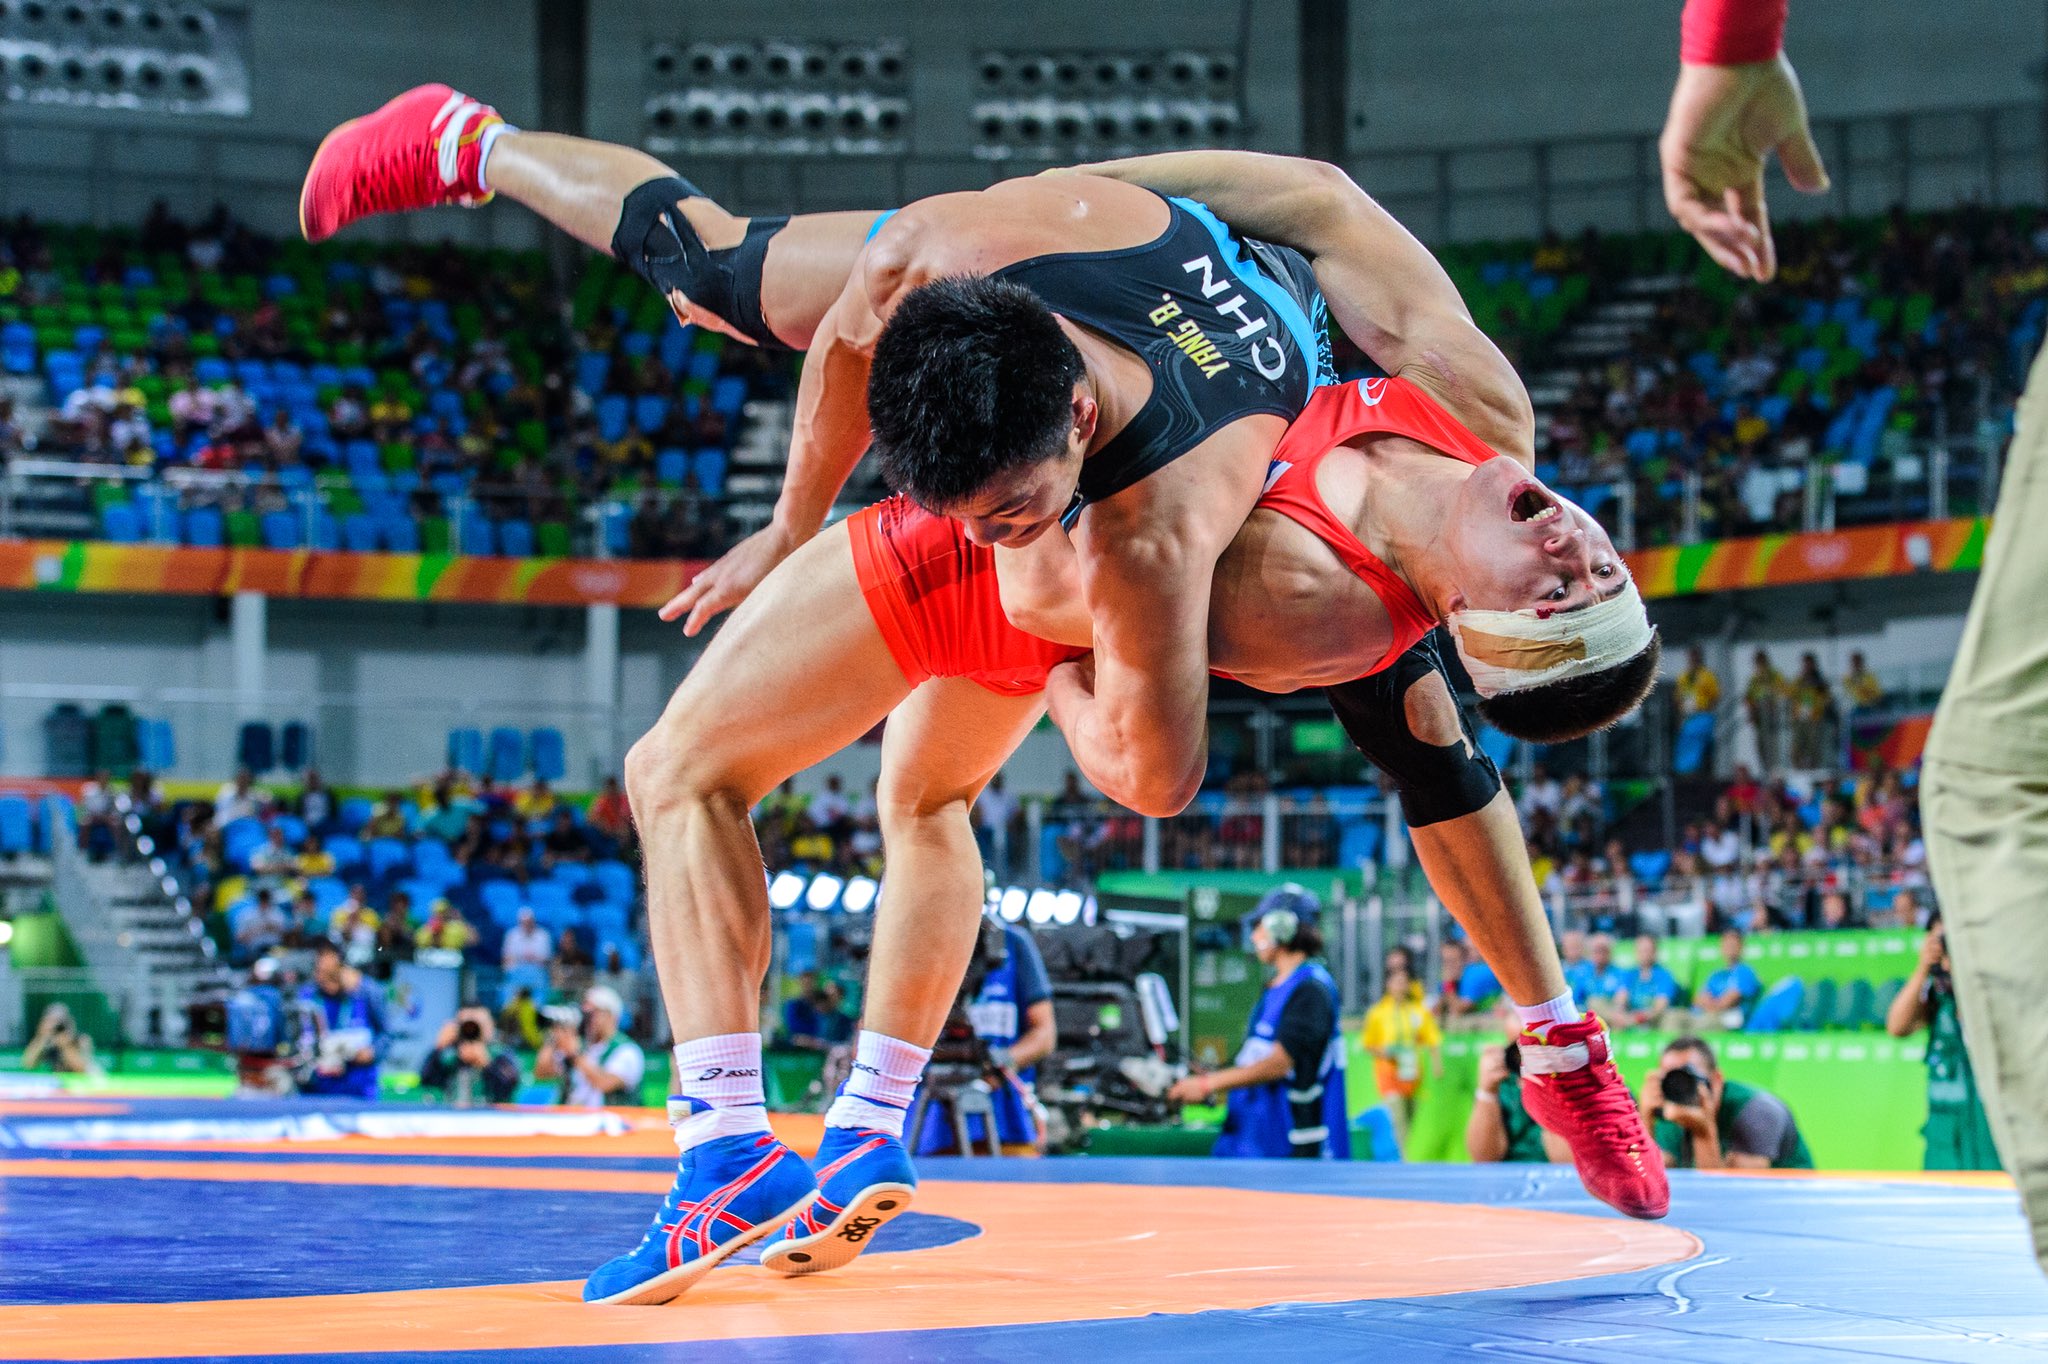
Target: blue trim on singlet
<point x="1257" y="280"/>
<point x="876" y="226"/>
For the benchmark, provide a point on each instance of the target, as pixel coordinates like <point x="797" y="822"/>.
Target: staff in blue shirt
<point x="348" y="1014"/>
<point x="1650" y="989"/>
<point x="1469" y="985"/>
<point x="1596" y="982"/>
<point x="1731" y="990"/>
<point x="1286" y="1086"/>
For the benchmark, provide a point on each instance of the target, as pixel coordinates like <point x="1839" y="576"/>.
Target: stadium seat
<point x="1779" y="1008"/>
<point x="205" y="527"/>
<point x="120" y="523"/>
<point x="500" y="900"/>
<point x="17" y="832"/>
<point x="506" y="754"/>
<point x="613" y="412"/>
<point x="515" y="538"/>
<point x="386" y="855"/>
<point x="466" y="750"/>
<point x="618" y="881"/>
<point x="345" y="850"/>
<point x="547" y="753"/>
<point x="280" y="530"/>
<point x="708" y="465"/>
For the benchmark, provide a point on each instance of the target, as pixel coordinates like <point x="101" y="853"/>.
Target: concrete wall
<point x="312" y="64"/>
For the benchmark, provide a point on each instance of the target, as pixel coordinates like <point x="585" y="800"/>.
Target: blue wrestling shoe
<point x="865" y="1181"/>
<point x="729" y="1193"/>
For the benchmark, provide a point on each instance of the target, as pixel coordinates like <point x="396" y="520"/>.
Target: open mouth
<point x="1532" y="503"/>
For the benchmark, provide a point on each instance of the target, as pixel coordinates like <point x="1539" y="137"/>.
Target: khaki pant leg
<point x="1984" y="800"/>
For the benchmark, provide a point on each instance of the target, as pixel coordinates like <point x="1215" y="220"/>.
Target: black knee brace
<point x="1436" y="782"/>
<point x="656" y="242"/>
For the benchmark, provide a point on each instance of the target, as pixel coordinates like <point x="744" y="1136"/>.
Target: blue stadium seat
<point x="500" y="900"/>
<point x="400" y="534"/>
<point x="293" y="827"/>
<point x="606" y="919"/>
<point x="210" y="370"/>
<point x="629" y="951"/>
<point x="515" y="538"/>
<point x="616" y="880"/>
<point x="674" y="346"/>
<point x="729" y="395"/>
<point x="709" y="466"/>
<point x="159" y="744"/>
<point x="205" y="527"/>
<point x="1778" y="1007"/>
<point x="612" y="414"/>
<point x="295" y="745"/>
<point x="1650" y="867"/>
<point x="256" y="747"/>
<point x="17" y="831"/>
<point x="475" y="534"/>
<point x="326" y="531"/>
<point x="356" y="812"/>
<point x="359" y="533"/>
<point x="549" y="760"/>
<point x="345" y="850"/>
<point x="650" y="410"/>
<point x="703" y="366"/>
<point x="466" y="750"/>
<point x="592" y="368"/>
<point x="386" y="855"/>
<point x="637" y="344"/>
<point x="506" y="754"/>
<point x="671" y="467"/>
<point x="120" y="523"/>
<point x="280" y="530"/>
<point x="1496" y="745"/>
<point x="239" y="839"/>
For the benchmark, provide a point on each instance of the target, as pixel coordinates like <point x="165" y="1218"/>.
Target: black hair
<point x="1307" y="940"/>
<point x="971" y="377"/>
<point x="1573" y="707"/>
<point x="1696" y="1044"/>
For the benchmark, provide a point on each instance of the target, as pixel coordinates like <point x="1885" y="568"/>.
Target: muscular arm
<point x="1384" y="287"/>
<point x="1135" y="715"/>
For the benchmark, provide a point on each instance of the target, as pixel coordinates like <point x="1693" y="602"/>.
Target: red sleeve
<point x="1731" y="32"/>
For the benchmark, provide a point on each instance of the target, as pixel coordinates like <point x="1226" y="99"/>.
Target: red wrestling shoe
<point x="422" y="149"/>
<point x="1570" y="1086"/>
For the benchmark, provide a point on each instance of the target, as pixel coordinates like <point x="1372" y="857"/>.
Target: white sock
<point x="485" y="141"/>
<point x="884" y="1079"/>
<point x="724" y="1072"/>
<point x="1538" y="1017"/>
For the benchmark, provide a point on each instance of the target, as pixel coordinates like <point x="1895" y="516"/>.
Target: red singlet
<point x="935" y="598"/>
<point x="1335" y="415"/>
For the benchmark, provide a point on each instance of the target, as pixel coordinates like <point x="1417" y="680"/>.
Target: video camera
<point x="1683" y="1087"/>
<point x="275" y="1040"/>
<point x="1116" y="1021"/>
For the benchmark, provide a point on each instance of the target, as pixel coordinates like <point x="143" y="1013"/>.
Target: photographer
<point x="1286" y="1086"/>
<point x="1702" y="1121"/>
<point x="594" y="1062"/>
<point x="347" y="1017"/>
<point x="1011" y="1014"/>
<point x="1958" y="1134"/>
<point x="467" y="1065"/>
<point x="59" y="1042"/>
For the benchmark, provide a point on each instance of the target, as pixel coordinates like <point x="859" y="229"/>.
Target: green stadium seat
<point x="245" y="529"/>
<point x="551" y="540"/>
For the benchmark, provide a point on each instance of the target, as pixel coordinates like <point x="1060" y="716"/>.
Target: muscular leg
<point x="581" y="185"/>
<point x="940" y="749"/>
<point x="1478" y="864"/>
<point x="798" y="674"/>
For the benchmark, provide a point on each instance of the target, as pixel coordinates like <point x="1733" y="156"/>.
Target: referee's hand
<point x="1723" y="124"/>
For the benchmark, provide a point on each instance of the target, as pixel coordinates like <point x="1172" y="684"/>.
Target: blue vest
<point x="351" y="1013"/>
<point x="998" y="1020"/>
<point x="1259" y="1122"/>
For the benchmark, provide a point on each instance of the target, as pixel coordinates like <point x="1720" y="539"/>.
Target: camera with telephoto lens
<point x="1513" y="1056"/>
<point x="563" y="1016"/>
<point x="469" y="1030"/>
<point x="959" y="1048"/>
<point x="1683" y="1087"/>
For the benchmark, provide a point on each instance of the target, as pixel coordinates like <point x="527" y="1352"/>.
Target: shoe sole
<point x="672" y="1284"/>
<point x="845" y="1237"/>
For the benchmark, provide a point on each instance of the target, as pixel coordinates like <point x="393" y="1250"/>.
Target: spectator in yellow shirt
<point x="445" y="929"/>
<point x="1861" y="685"/>
<point x="313" y="859"/>
<point x="1399" y="1028"/>
<point x="1699" y="689"/>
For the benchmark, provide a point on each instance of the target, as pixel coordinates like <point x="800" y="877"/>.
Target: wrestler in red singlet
<point x="936" y="600"/>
